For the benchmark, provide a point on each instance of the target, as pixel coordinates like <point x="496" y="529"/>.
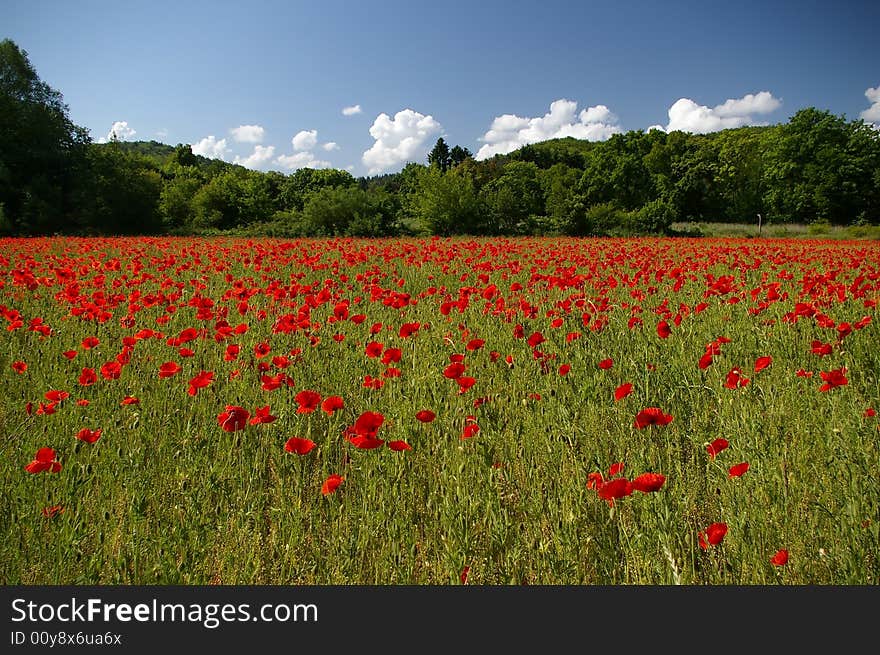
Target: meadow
<point x="644" y="411"/>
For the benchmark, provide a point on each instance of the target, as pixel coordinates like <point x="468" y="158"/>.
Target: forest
<point x="816" y="168"/>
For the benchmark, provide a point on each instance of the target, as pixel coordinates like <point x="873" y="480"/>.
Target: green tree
<point x="447" y="204"/>
<point x="439" y="155"/>
<point x="514" y="198"/>
<point x="350" y="211"/>
<point x="42" y="153"/>
<point x="458" y="155"/>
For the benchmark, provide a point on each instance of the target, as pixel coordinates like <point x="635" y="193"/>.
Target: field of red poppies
<point x="439" y="411"/>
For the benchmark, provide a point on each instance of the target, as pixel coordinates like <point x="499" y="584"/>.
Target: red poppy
<point x="623" y="391"/>
<point x="399" y="445"/>
<point x="594" y="480"/>
<point x="111" y="370"/>
<point x="88" y="377"/>
<point x="616" y="488"/>
<point x="89" y="436"/>
<point x="331" y="404"/>
<point x="470" y="430"/>
<point x="801" y="373"/>
<point x="738" y="469"/>
<point x="425" y="415"/>
<point x="391" y="355"/>
<point x="408" y="329"/>
<point x="716" y="447"/>
<point x="262" y="349"/>
<point x="234" y="418"/>
<point x="19" y="367"/>
<point x="299" y="446"/>
<point x="652" y="416"/>
<point x="706" y="360"/>
<point x="231" y="353"/>
<point x="56" y="396"/>
<point x="762" y="362"/>
<point x="373" y="349"/>
<point x="169" y="369"/>
<point x="713" y="535"/>
<point x="663" y="329"/>
<point x="49" y="512"/>
<point x="130" y="400"/>
<point x="465" y="383"/>
<point x="331" y="484"/>
<point x="870" y="413"/>
<point x="44" y="461"/>
<point x="454" y="371"/>
<point x="564" y="369"/>
<point x="262" y="415"/>
<point x="535" y="339"/>
<point x="648" y="482"/>
<point x="90" y="342"/>
<point x="835" y="378"/>
<point x="605" y="364"/>
<point x="463" y="576"/>
<point x="200" y="381"/>
<point x="735" y="379"/>
<point x="82" y="402"/>
<point x="475" y="344"/>
<point x="308" y="401"/>
<point x="615" y="469"/>
<point x="69" y="354"/>
<point x="48" y="408"/>
<point x="821" y="349"/>
<point x="780" y="558"/>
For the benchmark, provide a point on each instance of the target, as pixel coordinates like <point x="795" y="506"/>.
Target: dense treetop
<point x="817" y="167"/>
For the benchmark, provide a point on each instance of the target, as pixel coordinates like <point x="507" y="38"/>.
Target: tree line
<point x="817" y="167"/>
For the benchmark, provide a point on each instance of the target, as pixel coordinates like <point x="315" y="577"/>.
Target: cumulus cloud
<point x="210" y="147"/>
<point x="509" y="132"/>
<point x="120" y="130"/>
<point x="351" y="111"/>
<point x="258" y="159"/>
<point x="398" y="139"/>
<point x="248" y="133"/>
<point x="687" y="116"/>
<point x="301" y="160"/>
<point x="330" y="146"/>
<point x="872" y="113"/>
<point x="305" y="140"/>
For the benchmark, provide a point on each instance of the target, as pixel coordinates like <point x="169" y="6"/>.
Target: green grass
<point x="165" y="496"/>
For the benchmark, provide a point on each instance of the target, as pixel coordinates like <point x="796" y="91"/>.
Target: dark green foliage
<point x="816" y="168"/>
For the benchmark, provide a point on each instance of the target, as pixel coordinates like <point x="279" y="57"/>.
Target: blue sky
<point x="265" y="83"/>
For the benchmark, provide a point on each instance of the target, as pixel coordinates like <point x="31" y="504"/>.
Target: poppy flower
<point x="391" y="355"/>
<point x="262" y="349"/>
<point x="48" y="408"/>
<point x="308" y="401"/>
<point x="564" y="369"/>
<point x="262" y="415"/>
<point x="535" y="339"/>
<point x="713" y="535"/>
<point x="475" y="344"/>
<point x="399" y="445"/>
<point x="648" y="482"/>
<point x="130" y="400"/>
<point x="408" y="329"/>
<point x="606" y="364"/>
<point x="44" y="460"/>
<point x="89" y="436"/>
<point x="716" y="447"/>
<point x="832" y="379"/>
<point x="299" y="446"/>
<point x="762" y="362"/>
<point x="738" y="469"/>
<point x="332" y="403"/>
<point x="465" y="383"/>
<point x="735" y="379"/>
<point x="234" y="418"/>
<point x="90" y="342"/>
<point x="652" y="416"/>
<point x="19" y="367"/>
<point x="470" y="430"/>
<point x="706" y="361"/>
<point x="331" y="484"/>
<point x="801" y="373"/>
<point x="870" y="413"/>
<point x="49" y="512"/>
<point x="594" y="480"/>
<point x="425" y="415"/>
<point x="454" y="371"/>
<point x="463" y="576"/>
<point x="616" y="488"/>
<point x="615" y="469"/>
<point x="56" y="396"/>
<point x="373" y="349"/>
<point x="780" y="558"/>
<point x="663" y="330"/>
<point x="820" y="349"/>
<point x="231" y="353"/>
<point x="200" y="381"/>
<point x="169" y="369"/>
<point x="88" y="377"/>
<point x="111" y="370"/>
<point x="69" y="354"/>
<point x="623" y="391"/>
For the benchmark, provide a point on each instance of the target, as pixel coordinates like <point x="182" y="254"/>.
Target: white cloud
<point x="248" y="133"/>
<point x="301" y="160"/>
<point x="351" y="111"/>
<point x="655" y="127"/>
<point x="330" y="146"/>
<point x="872" y="113"/>
<point x="121" y="130"/>
<point x="210" y="147"/>
<point x="398" y="139"/>
<point x="687" y="116"/>
<point x="305" y="140"/>
<point x="509" y="132"/>
<point x="258" y="159"/>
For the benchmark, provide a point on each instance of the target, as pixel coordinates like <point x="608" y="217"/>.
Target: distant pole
<point x="759" y="225"/>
